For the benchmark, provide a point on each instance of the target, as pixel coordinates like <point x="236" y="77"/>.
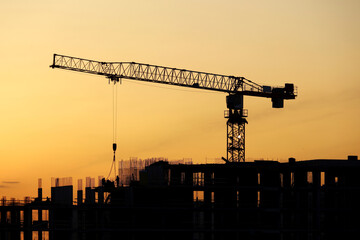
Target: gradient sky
<point x="57" y="123"/>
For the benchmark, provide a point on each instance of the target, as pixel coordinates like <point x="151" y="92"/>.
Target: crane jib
<point x="160" y="74"/>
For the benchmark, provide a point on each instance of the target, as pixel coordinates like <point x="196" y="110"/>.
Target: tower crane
<point x="235" y="87"/>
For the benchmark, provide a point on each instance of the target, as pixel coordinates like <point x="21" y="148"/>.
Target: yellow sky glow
<point x="57" y="123"/>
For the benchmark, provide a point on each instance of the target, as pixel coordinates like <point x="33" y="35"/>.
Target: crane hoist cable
<point x="114" y="112"/>
<point x="114" y="145"/>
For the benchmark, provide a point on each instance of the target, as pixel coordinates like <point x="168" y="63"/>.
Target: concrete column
<point x="27" y="223"/>
<point x="40" y="221"/>
<point x="75" y="223"/>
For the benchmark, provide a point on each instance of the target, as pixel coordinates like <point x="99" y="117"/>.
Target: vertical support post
<point x="80" y="192"/>
<point x="40" y="193"/>
<point x="39" y="210"/>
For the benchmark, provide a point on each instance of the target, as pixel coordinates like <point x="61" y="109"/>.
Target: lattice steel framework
<point x="235" y="141"/>
<point x="186" y="78"/>
<point x="236" y="133"/>
<point x="159" y="74"/>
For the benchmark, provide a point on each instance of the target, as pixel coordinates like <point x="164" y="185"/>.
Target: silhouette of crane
<point x="235" y="87"/>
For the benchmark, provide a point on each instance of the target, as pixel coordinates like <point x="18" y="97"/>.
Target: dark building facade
<point x="315" y="199"/>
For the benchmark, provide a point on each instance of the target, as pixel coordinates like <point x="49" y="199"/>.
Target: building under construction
<point x="313" y="199"/>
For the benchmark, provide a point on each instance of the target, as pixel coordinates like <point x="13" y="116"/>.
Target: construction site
<point x="314" y="199"/>
<point x="160" y="199"/>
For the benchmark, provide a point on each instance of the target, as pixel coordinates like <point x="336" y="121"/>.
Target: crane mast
<point x="235" y="87"/>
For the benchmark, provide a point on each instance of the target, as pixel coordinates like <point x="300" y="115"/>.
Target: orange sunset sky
<point x="58" y="123"/>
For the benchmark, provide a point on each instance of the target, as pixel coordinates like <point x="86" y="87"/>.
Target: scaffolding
<point x="129" y="170"/>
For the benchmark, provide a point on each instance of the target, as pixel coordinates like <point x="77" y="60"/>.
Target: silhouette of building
<point x="314" y="199"/>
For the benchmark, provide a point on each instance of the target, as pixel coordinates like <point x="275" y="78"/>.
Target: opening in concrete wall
<point x="309" y="177"/>
<point x="198" y="196"/>
<point x="198" y="179"/>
